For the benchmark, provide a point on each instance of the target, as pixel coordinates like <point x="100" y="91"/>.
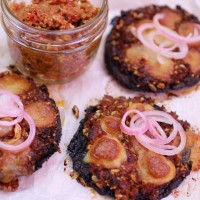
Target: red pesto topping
<point x="106" y="148"/>
<point x="55" y="14"/>
<point x="157" y="167"/>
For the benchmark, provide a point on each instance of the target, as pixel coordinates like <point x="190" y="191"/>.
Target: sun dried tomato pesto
<point x="55" y="14"/>
<point x="55" y="40"/>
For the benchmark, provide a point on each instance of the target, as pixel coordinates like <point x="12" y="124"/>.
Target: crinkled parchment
<point x="51" y="182"/>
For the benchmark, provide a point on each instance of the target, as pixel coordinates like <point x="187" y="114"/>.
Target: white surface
<point x="50" y="182"/>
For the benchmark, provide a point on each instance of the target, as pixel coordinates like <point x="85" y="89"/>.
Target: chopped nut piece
<point x="161" y="85"/>
<point x="152" y="87"/>
<point x="17" y="136"/>
<point x="75" y="111"/>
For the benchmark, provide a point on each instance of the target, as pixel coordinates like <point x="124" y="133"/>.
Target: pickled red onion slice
<point x="27" y="142"/>
<point x="162" y="150"/>
<point x="153" y="137"/>
<point x="167" y="47"/>
<point x="149" y="42"/>
<point x="12" y="107"/>
<point x="160" y="116"/>
<point x="195" y="33"/>
<point x="157" y="136"/>
<point x="179" y="47"/>
<point x="172" y="35"/>
<point x="157" y="130"/>
<point x="165" y="44"/>
<point x="133" y="130"/>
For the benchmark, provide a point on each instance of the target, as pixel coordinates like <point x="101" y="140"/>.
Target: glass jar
<point x="53" y="56"/>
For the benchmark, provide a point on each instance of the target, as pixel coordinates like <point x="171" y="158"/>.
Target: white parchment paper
<point x="51" y="182"/>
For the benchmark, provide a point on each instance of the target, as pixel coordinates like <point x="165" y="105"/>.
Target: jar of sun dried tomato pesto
<point x="54" y="41"/>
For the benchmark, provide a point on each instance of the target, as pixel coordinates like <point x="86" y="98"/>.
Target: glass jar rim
<point x="70" y="31"/>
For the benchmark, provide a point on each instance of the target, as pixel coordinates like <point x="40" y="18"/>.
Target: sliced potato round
<point x="15" y="83"/>
<point x="42" y="113"/>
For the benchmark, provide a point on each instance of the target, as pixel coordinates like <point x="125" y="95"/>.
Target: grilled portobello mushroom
<point x="136" y="66"/>
<point x="45" y="114"/>
<point x="115" y="164"/>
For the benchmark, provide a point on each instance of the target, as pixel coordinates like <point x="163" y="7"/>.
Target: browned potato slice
<point x="107" y="152"/>
<point x="14" y="83"/>
<point x="42" y="113"/>
<point x="138" y="53"/>
<point x="110" y="125"/>
<point x="193" y="59"/>
<point x="186" y="29"/>
<point x="156" y="169"/>
<point x="171" y="18"/>
<point x="193" y="143"/>
<point x="140" y="106"/>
